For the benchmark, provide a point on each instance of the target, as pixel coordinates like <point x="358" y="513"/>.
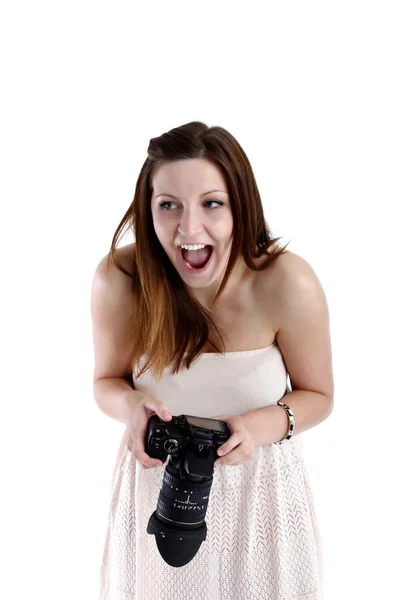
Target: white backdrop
<point x="311" y="92"/>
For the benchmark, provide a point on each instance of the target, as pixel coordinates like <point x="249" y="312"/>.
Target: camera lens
<point x="183" y="502"/>
<point x="178" y="522"/>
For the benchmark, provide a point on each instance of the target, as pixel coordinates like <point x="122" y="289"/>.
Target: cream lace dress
<point x="262" y="542"/>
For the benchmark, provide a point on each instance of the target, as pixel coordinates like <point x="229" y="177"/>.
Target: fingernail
<point x="167" y="415"/>
<point x="220" y="452"/>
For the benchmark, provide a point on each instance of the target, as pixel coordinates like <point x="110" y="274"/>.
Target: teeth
<point x="193" y="247"/>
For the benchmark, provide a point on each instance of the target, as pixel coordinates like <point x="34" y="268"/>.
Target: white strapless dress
<point x="263" y="540"/>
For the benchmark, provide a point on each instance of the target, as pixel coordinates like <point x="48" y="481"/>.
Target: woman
<point x="223" y="329"/>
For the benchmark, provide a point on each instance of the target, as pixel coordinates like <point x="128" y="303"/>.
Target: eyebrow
<point x="205" y="194"/>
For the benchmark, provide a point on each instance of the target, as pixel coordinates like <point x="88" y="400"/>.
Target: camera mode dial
<point x="171" y="446"/>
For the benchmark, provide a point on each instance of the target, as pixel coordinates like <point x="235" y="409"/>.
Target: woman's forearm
<point x="115" y="397"/>
<point x="270" y="424"/>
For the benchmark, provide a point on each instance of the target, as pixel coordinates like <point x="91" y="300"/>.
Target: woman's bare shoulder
<point x="287" y="276"/>
<point x="289" y="264"/>
<point x="125" y="256"/>
<point x="301" y="318"/>
<point x="111" y="304"/>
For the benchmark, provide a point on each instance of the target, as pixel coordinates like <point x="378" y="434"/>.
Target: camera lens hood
<point x="176" y="546"/>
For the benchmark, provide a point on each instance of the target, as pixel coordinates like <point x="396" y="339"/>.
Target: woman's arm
<point x="115" y="397"/>
<point x="111" y="298"/>
<point x="303" y="337"/>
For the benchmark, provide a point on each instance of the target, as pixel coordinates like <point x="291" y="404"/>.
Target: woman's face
<point x="198" y="213"/>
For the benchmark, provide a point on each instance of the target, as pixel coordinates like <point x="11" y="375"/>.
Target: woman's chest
<point x="245" y="324"/>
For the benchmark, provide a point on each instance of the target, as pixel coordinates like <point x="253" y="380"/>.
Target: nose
<point x="190" y="223"/>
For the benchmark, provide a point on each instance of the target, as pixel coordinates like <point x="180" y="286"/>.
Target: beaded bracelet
<point x="290" y="415"/>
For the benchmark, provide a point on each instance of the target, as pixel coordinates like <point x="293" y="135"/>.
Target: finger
<point x="236" y="456"/>
<point x="140" y="454"/>
<point x="229" y="445"/>
<point x="159" y="407"/>
<point x="139" y="449"/>
<point x="241" y="453"/>
<point x="146" y="461"/>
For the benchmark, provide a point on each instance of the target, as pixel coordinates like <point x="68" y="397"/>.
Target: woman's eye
<point x="162" y="205"/>
<point x="215" y="202"/>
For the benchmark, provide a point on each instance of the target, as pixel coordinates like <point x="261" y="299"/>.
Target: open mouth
<point x="196" y="261"/>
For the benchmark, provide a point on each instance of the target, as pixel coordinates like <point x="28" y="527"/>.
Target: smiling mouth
<point x="197" y="261"/>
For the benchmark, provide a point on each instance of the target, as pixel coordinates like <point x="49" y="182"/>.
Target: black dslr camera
<point x="191" y="444"/>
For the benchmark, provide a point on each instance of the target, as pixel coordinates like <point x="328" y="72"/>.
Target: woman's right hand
<point x="140" y="414"/>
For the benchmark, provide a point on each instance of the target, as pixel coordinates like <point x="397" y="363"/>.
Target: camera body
<point x="178" y="523"/>
<point x="190" y="440"/>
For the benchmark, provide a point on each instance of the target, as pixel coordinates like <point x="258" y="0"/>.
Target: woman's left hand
<point x="239" y="448"/>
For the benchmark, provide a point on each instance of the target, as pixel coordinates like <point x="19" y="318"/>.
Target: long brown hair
<point x="168" y="325"/>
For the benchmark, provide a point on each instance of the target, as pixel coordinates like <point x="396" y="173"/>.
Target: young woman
<point x="207" y="315"/>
